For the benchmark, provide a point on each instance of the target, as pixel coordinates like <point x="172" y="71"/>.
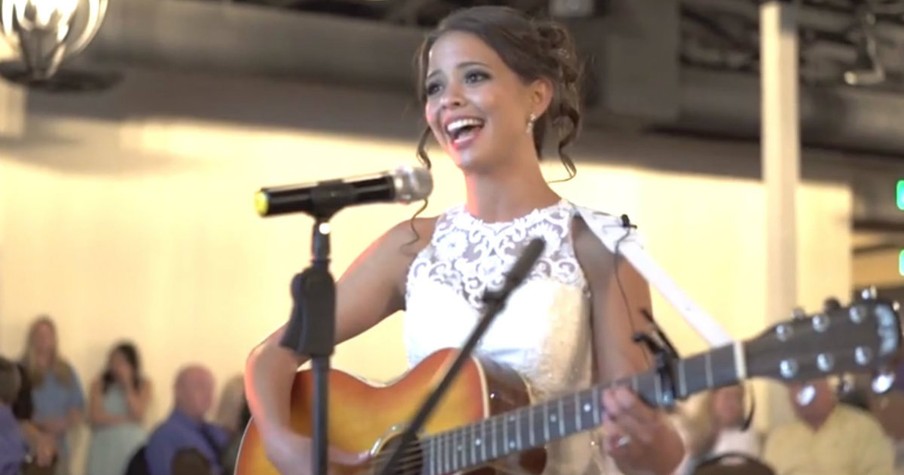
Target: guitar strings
<point x="418" y="451"/>
<point x="444" y="448"/>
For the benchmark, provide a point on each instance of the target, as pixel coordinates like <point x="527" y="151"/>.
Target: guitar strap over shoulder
<point x="621" y="238"/>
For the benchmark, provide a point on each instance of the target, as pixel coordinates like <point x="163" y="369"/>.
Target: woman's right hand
<point x="291" y="454"/>
<point x="44" y="450"/>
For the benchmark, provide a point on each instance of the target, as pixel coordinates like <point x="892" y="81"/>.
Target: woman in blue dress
<point x="117" y="405"/>
<point x="56" y="391"/>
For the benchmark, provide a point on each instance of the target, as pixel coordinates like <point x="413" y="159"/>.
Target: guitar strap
<point x="622" y="239"/>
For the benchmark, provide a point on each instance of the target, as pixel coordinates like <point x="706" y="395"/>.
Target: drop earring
<point x="530" y="123"/>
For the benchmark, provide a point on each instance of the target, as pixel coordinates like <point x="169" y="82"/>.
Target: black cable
<point x="626" y="223"/>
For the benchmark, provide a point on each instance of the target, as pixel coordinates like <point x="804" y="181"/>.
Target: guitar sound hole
<point x="411" y="462"/>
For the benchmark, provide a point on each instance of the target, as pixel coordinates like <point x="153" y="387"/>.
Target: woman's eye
<point x="432" y="89"/>
<point x="476" y="76"/>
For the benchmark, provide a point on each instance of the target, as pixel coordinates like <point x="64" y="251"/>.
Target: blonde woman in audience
<point x="229" y="409"/>
<point x="232" y="415"/>
<point x="56" y="390"/>
<point x="117" y="406"/>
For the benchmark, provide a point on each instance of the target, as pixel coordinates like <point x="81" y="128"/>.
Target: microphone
<point x="323" y="199"/>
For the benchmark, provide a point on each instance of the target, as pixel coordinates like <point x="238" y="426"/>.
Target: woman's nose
<point x="451" y="97"/>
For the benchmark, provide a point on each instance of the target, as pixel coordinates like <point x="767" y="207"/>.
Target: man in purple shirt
<point x="186" y="431"/>
<point x="13" y="448"/>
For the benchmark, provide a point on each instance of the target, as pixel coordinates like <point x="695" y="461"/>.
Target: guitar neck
<point x="536" y="425"/>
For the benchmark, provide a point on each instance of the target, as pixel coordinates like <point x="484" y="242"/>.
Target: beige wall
<point x="144" y="229"/>
<point x="877" y="268"/>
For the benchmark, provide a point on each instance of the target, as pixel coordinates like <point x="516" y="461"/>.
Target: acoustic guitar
<point x="487" y="421"/>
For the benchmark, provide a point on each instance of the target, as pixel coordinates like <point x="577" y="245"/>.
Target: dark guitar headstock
<point x="863" y="337"/>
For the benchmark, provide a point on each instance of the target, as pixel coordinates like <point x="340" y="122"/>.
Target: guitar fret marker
<point x="475" y="444"/>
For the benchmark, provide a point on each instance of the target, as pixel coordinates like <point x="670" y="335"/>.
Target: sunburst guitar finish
<point x="364" y="417"/>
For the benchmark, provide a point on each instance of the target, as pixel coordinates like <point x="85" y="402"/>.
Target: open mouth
<point x="462" y="131"/>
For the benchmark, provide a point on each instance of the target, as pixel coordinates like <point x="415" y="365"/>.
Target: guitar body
<point x="365" y="417"/>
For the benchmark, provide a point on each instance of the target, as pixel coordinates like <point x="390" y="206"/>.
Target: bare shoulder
<point x="373" y="286"/>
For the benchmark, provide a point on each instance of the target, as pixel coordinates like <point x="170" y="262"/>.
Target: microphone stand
<point x="495" y="303"/>
<point x="311" y="331"/>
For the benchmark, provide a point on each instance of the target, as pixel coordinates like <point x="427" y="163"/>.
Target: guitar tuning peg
<point x="831" y="304"/>
<point x="798" y="313"/>
<point x="805" y="395"/>
<point x="869" y="293"/>
<point x="883" y="381"/>
<point x="896" y="306"/>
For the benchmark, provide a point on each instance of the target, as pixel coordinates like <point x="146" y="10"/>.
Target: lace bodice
<point x="471" y="256"/>
<point x="543" y="331"/>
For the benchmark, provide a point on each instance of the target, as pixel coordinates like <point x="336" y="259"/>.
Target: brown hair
<point x="533" y="49"/>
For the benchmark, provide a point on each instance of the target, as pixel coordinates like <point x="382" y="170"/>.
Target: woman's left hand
<point x="631" y="427"/>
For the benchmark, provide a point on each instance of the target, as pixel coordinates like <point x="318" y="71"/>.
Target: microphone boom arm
<point x="495" y="302"/>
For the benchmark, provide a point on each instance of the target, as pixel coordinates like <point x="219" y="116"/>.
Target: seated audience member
<point x="13" y="448"/>
<point x="889" y="411"/>
<point x="186" y="439"/>
<point x="730" y="431"/>
<point x="828" y="438"/>
<point x="56" y="390"/>
<point x="717" y="428"/>
<point x="42" y="447"/>
<point x="118" y="402"/>
<point x="230" y="455"/>
<point x="230" y="405"/>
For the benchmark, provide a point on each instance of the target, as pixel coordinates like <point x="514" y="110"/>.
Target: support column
<point x="780" y="151"/>
<point x="12" y="100"/>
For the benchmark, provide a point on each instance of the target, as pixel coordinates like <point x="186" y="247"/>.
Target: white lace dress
<point x="544" y="330"/>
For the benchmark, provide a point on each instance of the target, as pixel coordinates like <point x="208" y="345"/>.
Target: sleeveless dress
<point x="543" y="332"/>
<point x="113" y="446"/>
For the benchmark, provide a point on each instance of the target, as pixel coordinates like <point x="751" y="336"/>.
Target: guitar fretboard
<point x="533" y="426"/>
